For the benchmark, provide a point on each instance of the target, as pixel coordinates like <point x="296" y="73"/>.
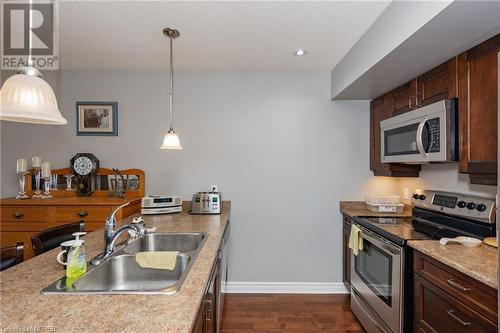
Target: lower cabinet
<point x="346" y="252"/>
<point x="446" y="300"/>
<point x="208" y="319"/>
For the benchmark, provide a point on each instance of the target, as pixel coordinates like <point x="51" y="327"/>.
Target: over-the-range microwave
<point x="424" y="135"/>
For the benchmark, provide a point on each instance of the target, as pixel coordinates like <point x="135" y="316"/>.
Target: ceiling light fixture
<point x="25" y="97"/>
<point x="171" y="140"/>
<point x="300" y="52"/>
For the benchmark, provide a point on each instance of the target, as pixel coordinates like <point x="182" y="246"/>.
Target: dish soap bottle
<point x="76" y="265"/>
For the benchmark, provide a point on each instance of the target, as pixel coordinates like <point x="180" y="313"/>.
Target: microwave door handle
<point x="420" y="144"/>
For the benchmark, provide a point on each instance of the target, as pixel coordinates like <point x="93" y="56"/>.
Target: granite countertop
<point x="24" y="308"/>
<point x="479" y="262"/>
<point x="358" y="208"/>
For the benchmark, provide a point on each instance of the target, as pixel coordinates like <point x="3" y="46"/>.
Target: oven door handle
<point x="420" y="143"/>
<point x="379" y="241"/>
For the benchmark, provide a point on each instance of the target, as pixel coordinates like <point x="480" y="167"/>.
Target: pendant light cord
<point x="171" y="85"/>
<point x="30" y="40"/>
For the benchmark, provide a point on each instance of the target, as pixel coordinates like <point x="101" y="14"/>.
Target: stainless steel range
<point x="381" y="272"/>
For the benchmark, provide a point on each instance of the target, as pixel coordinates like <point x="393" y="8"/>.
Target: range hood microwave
<point x="424" y="135"/>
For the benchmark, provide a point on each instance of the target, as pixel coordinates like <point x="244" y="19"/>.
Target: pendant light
<point x="25" y="97"/>
<point x="171" y="140"/>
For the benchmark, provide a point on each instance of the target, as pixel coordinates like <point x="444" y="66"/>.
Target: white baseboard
<point x="287" y="288"/>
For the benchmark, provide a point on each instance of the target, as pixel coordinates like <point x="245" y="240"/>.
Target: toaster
<point x="206" y="203"/>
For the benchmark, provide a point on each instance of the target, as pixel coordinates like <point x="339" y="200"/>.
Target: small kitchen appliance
<point x="206" y="203"/>
<point x="381" y="273"/>
<point x="427" y="134"/>
<point x="161" y="204"/>
<point x="383" y="203"/>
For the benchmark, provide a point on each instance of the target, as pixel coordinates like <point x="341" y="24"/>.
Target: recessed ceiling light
<point x="300" y="52"/>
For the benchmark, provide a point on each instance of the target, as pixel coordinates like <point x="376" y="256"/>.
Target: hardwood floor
<point x="247" y="313"/>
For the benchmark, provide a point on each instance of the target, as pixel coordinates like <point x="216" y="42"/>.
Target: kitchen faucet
<point x="111" y="235"/>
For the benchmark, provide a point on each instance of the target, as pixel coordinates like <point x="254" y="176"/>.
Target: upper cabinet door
<point x="478" y="105"/>
<point x="403" y="98"/>
<point x="437" y="84"/>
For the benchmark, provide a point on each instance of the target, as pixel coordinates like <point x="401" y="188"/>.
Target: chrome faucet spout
<point x="109" y="227"/>
<point x="111" y="235"/>
<point x="110" y="246"/>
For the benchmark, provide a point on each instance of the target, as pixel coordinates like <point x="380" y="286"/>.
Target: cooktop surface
<point x="396" y="229"/>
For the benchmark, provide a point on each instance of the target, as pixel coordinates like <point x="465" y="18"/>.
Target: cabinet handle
<point x="452" y="314"/>
<point x="458" y="286"/>
<point x="82" y="213"/>
<point x="18" y="215"/>
<point x="417" y="99"/>
<point x="208" y="312"/>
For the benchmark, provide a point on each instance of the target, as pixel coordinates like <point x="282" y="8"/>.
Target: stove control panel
<point x="463" y="205"/>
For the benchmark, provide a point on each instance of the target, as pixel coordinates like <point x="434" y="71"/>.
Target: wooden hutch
<point x="20" y="219"/>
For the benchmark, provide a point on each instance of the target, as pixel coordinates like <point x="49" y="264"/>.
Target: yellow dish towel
<point x="355" y="240"/>
<point x="157" y="260"/>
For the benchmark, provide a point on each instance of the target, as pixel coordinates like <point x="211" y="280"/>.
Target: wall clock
<point x="85" y="167"/>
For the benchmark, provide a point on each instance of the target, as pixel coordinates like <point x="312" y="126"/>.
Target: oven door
<point x="376" y="275"/>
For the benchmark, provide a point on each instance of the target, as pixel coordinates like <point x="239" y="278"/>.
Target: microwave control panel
<point x="434" y="137"/>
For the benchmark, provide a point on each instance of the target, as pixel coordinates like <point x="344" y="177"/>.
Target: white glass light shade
<point x="171" y="141"/>
<point x="29" y="99"/>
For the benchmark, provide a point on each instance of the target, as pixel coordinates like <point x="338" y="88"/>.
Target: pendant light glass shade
<point x="25" y="97"/>
<point x="171" y="141"/>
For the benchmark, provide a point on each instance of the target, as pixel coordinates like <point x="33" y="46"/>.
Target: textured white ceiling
<point x="214" y="35"/>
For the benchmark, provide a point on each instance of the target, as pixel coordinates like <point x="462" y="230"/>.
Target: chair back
<point x="51" y="238"/>
<point x="11" y="256"/>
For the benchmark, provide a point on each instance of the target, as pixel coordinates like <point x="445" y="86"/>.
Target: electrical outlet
<point x="406" y="193"/>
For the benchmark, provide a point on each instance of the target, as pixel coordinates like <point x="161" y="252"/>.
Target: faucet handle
<point x="138" y="220"/>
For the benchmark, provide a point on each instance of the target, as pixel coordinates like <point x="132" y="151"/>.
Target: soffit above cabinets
<point x="395" y="50"/>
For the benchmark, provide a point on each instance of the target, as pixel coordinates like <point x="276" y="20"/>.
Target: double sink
<point x="120" y="274"/>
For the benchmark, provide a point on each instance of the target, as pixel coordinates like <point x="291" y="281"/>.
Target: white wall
<point x="273" y="142"/>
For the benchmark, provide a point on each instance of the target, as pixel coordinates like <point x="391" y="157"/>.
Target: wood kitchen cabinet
<point x="346" y="252"/>
<point x="403" y="98"/>
<point x="478" y="107"/>
<point x="437" y="84"/>
<point x="433" y="86"/>
<point x="446" y="300"/>
<point x="206" y="320"/>
<point x="212" y="304"/>
<point x="472" y="77"/>
<point x="380" y="109"/>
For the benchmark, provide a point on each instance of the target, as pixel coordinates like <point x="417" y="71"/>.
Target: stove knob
<point x="421" y="197"/>
<point x="481" y="207"/>
<point x="462" y="204"/>
<point x="415" y="196"/>
<point x="471" y="205"/>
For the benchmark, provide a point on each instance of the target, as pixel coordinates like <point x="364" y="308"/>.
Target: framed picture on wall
<point x="97" y="118"/>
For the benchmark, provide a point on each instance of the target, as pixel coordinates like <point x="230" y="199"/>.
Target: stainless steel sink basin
<point x="120" y="274"/>
<point x="183" y="242"/>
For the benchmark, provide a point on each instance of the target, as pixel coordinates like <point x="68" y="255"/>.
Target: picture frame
<point x="97" y="118"/>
